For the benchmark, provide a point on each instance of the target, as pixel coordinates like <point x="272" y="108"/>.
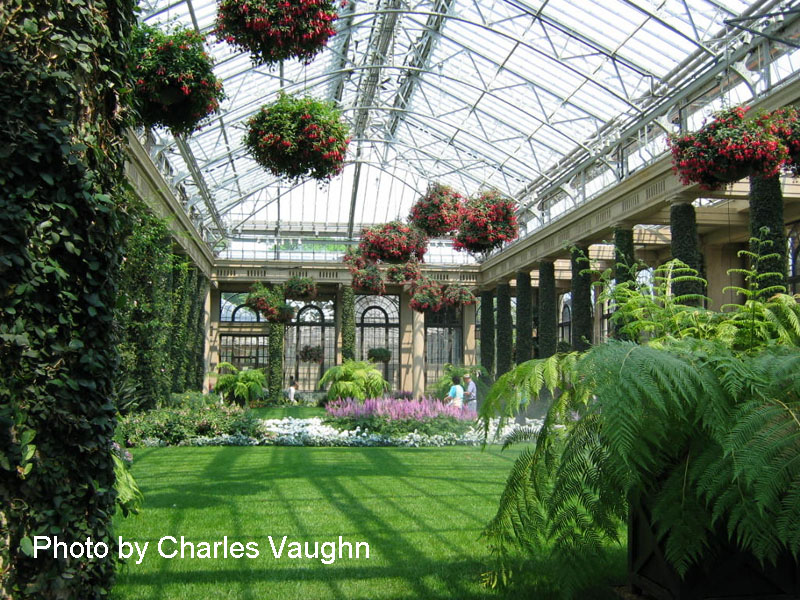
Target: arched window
<point x="378" y="326"/>
<point x="565" y="320"/>
<point x="232" y="309"/>
<point x="313" y="326"/>
<point x="444" y="342"/>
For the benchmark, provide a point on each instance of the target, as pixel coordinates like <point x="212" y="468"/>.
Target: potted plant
<point x="486" y="221"/>
<point x="298" y="137"/>
<point x="270" y="303"/>
<point x="457" y="294"/>
<point x="174" y="85"/>
<point x="393" y="242"/>
<point x="427" y="297"/>
<point x="436" y="213"/>
<point x="407" y="273"/>
<point x="369" y="280"/>
<point x="275" y="30"/>
<point x="383" y="355"/>
<point x="312" y="354"/>
<point x="727" y="149"/>
<point x="301" y="288"/>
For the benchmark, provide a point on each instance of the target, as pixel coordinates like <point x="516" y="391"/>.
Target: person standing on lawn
<point x="456" y="394"/>
<point x="470" y="393"/>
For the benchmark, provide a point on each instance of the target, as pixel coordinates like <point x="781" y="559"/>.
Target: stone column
<point x="211" y="312"/>
<point x="417" y="353"/>
<point x="470" y="344"/>
<point x="406" y="340"/>
<point x="685" y="244"/>
<point x="548" y="309"/>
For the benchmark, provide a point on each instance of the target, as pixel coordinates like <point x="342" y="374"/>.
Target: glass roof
<point x="507" y="94"/>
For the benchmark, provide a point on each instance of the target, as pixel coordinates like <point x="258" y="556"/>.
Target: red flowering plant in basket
<point x="298" y="137"/>
<point x="369" y="280"/>
<point x="785" y="123"/>
<point x="408" y="272"/>
<point x="436" y="213"/>
<point x="727" y="149"/>
<point x="270" y="303"/>
<point x="174" y="85"/>
<point x="393" y="242"/>
<point x="301" y="288"/>
<point x="354" y="260"/>
<point x="312" y="354"/>
<point x="458" y="295"/>
<point x="274" y="30"/>
<point x="486" y="222"/>
<point x="427" y="297"/>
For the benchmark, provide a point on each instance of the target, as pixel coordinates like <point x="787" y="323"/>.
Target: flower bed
<point x="436" y="213"/>
<point x="393" y="242"/>
<point x="174" y="84"/>
<point x="274" y="30"/>
<point x="298" y="137"/>
<point x="487" y="221"/>
<point x="727" y="149"/>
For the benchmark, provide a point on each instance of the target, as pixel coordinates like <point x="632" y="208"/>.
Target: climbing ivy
<point x="505" y="329"/>
<point x="548" y="310"/>
<point x="582" y="322"/>
<point x="275" y="362"/>
<point x="766" y="210"/>
<point x="487" y="331"/>
<point x="686" y="247"/>
<point x="524" y="317"/>
<point x="348" y="323"/>
<point x="61" y="218"/>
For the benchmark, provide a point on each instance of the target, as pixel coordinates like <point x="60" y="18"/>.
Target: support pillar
<point x="548" y="309"/>
<point x="582" y="320"/>
<point x="524" y="318"/>
<point x="418" y="354"/>
<point x="487" y="332"/>
<point x="211" y="312"/>
<point x="337" y="324"/>
<point x="469" y="313"/>
<point x="685" y="245"/>
<point x="406" y="342"/>
<point x="505" y="329"/>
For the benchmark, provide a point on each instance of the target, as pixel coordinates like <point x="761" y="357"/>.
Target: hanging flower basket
<point x="301" y="288"/>
<point x="312" y="354"/>
<point x="174" y="85"/>
<point x="727" y="149"/>
<point x="404" y="274"/>
<point x="436" y="213"/>
<point x="427" y="297"/>
<point x="393" y="242"/>
<point x="276" y="30"/>
<point x="383" y="355"/>
<point x="354" y="260"/>
<point x="458" y="295"/>
<point x="369" y="281"/>
<point x="298" y="137"/>
<point x="269" y="303"/>
<point x="487" y="221"/>
<point x="785" y="123"/>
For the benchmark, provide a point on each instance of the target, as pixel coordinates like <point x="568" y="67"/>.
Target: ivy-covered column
<point x="548" y="309"/>
<point x="766" y="211"/>
<point x="624" y="260"/>
<point x="275" y="362"/>
<point x="505" y="329"/>
<point x="582" y="314"/>
<point x="524" y="317"/>
<point x="685" y="246"/>
<point x="535" y="320"/>
<point x="62" y="221"/>
<point x="487" y="331"/>
<point x="348" y="323"/>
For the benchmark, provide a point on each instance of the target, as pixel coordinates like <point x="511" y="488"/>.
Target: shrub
<point x="241" y="386"/>
<point x="354" y="379"/>
<point x="383" y="355"/>
<point x="298" y="137"/>
<point x="175" y="425"/>
<point x="174" y="83"/>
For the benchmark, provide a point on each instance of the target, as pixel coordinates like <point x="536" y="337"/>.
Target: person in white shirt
<point x="470" y="393"/>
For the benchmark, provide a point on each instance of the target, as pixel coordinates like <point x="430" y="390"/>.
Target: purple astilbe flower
<point x="398" y="410"/>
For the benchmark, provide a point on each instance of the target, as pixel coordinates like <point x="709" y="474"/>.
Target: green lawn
<point x="298" y="412"/>
<point x="420" y="511"/>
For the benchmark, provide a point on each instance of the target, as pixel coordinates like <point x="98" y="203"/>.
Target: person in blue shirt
<point x="456" y="394"/>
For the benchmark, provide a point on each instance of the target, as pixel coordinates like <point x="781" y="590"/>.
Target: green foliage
<point x="175" y="425"/>
<point x="524" y="318"/>
<point x="441" y="425"/>
<point x="686" y="248"/>
<point x="582" y="314"/>
<point x="383" y="355"/>
<point x="703" y="419"/>
<point x="243" y="387"/>
<point x="275" y="362"/>
<point x="625" y="266"/>
<point x="62" y="217"/>
<point x="129" y="496"/>
<point x="301" y="288"/>
<point x="505" y="329"/>
<point x="479" y="374"/>
<point x="766" y="212"/>
<point x="548" y="309"/>
<point x="487" y="331"/>
<point x="348" y="323"/>
<point x="354" y="379"/>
